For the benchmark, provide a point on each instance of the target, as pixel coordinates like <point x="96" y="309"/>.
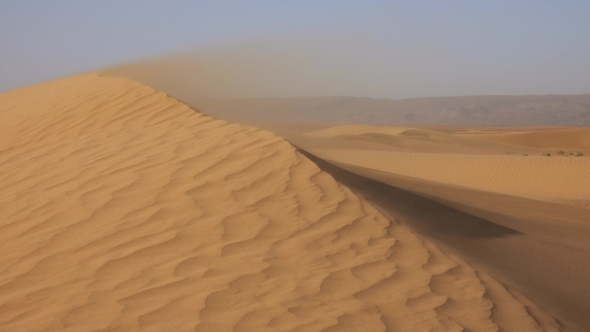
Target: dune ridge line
<point x="124" y="209"/>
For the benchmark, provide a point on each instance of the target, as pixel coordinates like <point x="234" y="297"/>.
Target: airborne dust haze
<point x="358" y="64"/>
<point x="234" y="82"/>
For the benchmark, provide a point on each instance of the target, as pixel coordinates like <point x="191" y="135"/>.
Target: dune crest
<point x="124" y="209"/>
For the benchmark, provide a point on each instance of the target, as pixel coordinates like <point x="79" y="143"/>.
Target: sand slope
<point x="498" y="160"/>
<point x="123" y="209"/>
<point x="577" y="138"/>
<point x="540" y="248"/>
<point x="532" y="176"/>
<point x="481" y="199"/>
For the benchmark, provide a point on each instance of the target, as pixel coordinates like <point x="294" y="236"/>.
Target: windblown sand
<point x="123" y="209"/>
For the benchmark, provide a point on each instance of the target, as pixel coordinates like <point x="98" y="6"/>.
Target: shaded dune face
<point x="123" y="209"/>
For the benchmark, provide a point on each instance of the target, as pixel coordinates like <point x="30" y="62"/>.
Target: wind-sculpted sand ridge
<point x="124" y="209"/>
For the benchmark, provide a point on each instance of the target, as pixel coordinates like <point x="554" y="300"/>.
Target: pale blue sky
<point x="427" y="48"/>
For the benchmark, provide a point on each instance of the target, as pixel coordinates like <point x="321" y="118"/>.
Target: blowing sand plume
<point x="124" y="209"/>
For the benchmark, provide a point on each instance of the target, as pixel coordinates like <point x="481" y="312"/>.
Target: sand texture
<point x="123" y="209"/>
<point x="576" y="138"/>
<point x="500" y="205"/>
<point x="532" y="176"/>
<point x="511" y="163"/>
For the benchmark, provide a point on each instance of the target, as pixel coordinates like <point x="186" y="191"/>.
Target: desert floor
<point x="124" y="209"/>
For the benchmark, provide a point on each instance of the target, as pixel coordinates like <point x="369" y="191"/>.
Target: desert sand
<point x="124" y="209"/>
<point x="507" y="162"/>
<point x="535" y="177"/>
<point x="486" y="194"/>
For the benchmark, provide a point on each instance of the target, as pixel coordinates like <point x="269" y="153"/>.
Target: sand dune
<point x="495" y="160"/>
<point x="532" y="176"/>
<point x="577" y="138"/>
<point x="499" y="205"/>
<point x="538" y="247"/>
<point x="357" y="129"/>
<point x="406" y="139"/>
<point x="124" y="209"/>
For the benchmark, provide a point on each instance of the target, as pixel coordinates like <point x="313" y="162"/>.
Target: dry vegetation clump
<point x="547" y="154"/>
<point x="579" y="154"/>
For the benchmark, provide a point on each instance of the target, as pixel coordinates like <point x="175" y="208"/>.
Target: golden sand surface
<point x="124" y="209"/>
<point x="512" y="201"/>
<point x="570" y="138"/>
<point x="528" y="176"/>
<point x="537" y="164"/>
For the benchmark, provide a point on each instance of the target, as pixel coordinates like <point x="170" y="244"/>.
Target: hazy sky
<point x="391" y="49"/>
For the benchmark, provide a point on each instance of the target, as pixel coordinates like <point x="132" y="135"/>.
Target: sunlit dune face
<point x="125" y="209"/>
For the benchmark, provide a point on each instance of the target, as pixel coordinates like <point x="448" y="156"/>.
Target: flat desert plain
<point x="125" y="209"/>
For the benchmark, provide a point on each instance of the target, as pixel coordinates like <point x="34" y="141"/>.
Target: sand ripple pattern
<point x="123" y="209"/>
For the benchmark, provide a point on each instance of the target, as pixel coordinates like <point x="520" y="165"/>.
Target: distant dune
<point x="124" y="209"/>
<point x="578" y="138"/>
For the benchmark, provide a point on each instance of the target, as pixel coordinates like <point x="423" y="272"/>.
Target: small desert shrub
<point x="526" y="155"/>
<point x="547" y="154"/>
<point x="560" y="153"/>
<point x="579" y="154"/>
<point x="571" y="153"/>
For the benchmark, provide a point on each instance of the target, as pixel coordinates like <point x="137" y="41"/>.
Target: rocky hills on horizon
<point x="542" y="110"/>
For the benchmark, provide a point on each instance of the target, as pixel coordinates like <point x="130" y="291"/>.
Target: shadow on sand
<point x="427" y="215"/>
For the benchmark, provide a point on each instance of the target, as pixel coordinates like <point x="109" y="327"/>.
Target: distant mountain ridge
<point x="543" y="110"/>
